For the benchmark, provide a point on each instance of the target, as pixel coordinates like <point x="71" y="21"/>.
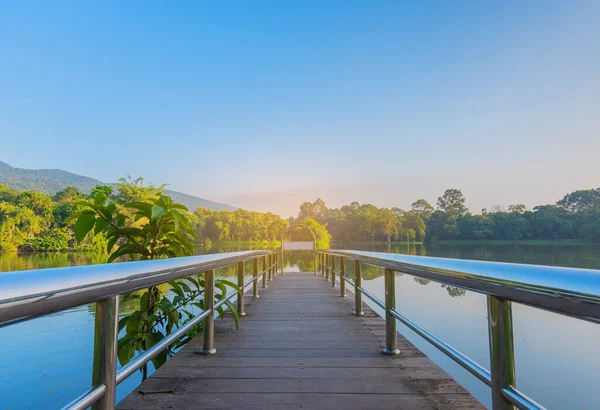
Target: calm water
<point x="47" y="361"/>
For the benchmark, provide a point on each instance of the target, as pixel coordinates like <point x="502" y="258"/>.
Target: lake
<point x="47" y="361"/>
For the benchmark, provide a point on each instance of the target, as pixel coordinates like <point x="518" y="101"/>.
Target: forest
<point x="575" y="216"/>
<point x="34" y="221"/>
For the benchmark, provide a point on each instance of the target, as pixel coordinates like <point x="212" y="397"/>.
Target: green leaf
<point x="99" y="199"/>
<point x="142" y="206"/>
<point x="234" y="314"/>
<point x="84" y="224"/>
<point x="125" y="349"/>
<point x="101" y="223"/>
<point x="123" y="322"/>
<point x="158" y="211"/>
<point x="121" y="219"/>
<point x="230" y="284"/>
<point x="109" y="210"/>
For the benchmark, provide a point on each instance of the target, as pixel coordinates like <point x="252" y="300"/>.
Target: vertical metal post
<point x="502" y="352"/>
<point x="255" y="281"/>
<point x="209" y="321"/>
<point x="332" y="271"/>
<point x="391" y="337"/>
<point x="240" y="283"/>
<point x="270" y="260"/>
<point x="265" y="272"/>
<point x="321" y="258"/>
<point x="357" y="293"/>
<point x="342" y="280"/>
<point x="104" y="369"/>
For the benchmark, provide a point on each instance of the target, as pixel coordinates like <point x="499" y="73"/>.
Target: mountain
<point x="50" y="181"/>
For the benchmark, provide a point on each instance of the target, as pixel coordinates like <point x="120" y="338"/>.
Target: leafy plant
<point x="145" y="230"/>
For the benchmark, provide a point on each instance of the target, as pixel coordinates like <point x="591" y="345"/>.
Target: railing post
<point x="391" y="337"/>
<point x="342" y="275"/>
<point x="327" y="257"/>
<point x="502" y="352"/>
<point x="270" y="259"/>
<point x="240" y="282"/>
<point x="321" y="255"/>
<point x="209" y="321"/>
<point x="255" y="281"/>
<point x="332" y="271"/>
<point x="104" y="369"/>
<point x="357" y="293"/>
<point x="265" y="272"/>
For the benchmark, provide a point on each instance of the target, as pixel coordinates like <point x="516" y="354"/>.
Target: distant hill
<point x="50" y="181"/>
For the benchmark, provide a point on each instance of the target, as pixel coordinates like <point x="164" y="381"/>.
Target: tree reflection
<point x="454" y="291"/>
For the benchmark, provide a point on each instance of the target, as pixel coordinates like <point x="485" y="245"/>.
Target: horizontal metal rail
<point x="568" y="291"/>
<point x="28" y="294"/>
<point x="87" y="399"/>
<point x="472" y="367"/>
<point x="371" y="296"/>
<point x="155" y="350"/>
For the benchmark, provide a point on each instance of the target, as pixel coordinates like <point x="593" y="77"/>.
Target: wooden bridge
<point x="302" y="344"/>
<point x="300" y="347"/>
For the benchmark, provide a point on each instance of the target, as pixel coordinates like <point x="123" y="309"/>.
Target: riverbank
<point x="513" y="242"/>
<point x="370" y="243"/>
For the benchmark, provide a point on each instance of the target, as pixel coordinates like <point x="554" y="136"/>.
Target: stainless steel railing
<point x="568" y="291"/>
<point x="28" y="294"/>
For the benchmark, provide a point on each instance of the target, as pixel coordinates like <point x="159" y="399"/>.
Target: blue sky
<point x="265" y="104"/>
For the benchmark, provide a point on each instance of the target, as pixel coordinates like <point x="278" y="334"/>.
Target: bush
<point x="54" y="240"/>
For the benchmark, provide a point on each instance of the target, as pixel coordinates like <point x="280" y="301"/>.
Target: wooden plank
<point x="278" y="401"/>
<point x="180" y="385"/>
<point x="299" y="372"/>
<point x="299" y="347"/>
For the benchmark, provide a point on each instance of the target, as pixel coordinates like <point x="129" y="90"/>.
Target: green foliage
<point x="582" y="201"/>
<point x="152" y="228"/>
<point x="452" y="203"/>
<point x="240" y="225"/>
<point x="302" y="234"/>
<point x="55" y="240"/>
<point x="422" y="208"/>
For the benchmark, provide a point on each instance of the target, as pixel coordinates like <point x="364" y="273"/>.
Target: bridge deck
<point x="300" y="348"/>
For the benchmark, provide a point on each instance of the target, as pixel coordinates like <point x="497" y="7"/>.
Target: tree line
<point x="33" y="221"/>
<point x="575" y="216"/>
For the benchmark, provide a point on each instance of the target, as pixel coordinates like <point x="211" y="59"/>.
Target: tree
<point x="423" y="208"/>
<point x="452" y="203"/>
<point x="301" y="234"/>
<point x="130" y="190"/>
<point x="316" y="210"/>
<point x="518" y="208"/>
<point x="584" y="200"/>
<point x="107" y="190"/>
<point x="415" y="223"/>
<point x="69" y="194"/>
<point x="389" y="223"/>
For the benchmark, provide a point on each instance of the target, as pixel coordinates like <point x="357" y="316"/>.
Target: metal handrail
<point x="568" y="291"/>
<point x="27" y="294"/>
